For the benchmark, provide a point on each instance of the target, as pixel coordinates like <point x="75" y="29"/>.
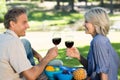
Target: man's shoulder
<point x="8" y="39"/>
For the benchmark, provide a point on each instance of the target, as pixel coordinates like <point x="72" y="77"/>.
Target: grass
<point x="84" y="51"/>
<point x="49" y="19"/>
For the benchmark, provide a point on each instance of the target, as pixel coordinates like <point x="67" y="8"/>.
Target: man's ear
<point x="12" y="24"/>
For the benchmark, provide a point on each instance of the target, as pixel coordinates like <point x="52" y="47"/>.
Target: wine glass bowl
<point x="69" y="44"/>
<point x="56" y="38"/>
<point x="69" y="40"/>
<point x="56" y="41"/>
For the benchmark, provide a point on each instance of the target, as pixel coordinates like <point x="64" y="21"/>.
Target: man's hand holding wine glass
<point x="52" y="53"/>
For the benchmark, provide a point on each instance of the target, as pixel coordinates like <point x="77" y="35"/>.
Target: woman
<point x="102" y="60"/>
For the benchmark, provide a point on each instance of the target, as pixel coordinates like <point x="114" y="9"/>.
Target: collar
<point x="8" y="31"/>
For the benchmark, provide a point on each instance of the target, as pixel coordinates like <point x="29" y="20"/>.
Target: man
<point x="13" y="59"/>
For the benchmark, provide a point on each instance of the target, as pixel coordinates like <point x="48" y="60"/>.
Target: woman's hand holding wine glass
<point x="73" y="52"/>
<point x="69" y="42"/>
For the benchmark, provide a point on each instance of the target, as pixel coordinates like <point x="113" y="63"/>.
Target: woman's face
<point x="89" y="28"/>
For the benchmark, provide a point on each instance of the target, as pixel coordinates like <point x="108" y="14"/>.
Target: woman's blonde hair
<point x="99" y="18"/>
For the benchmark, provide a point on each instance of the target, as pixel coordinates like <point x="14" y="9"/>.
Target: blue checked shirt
<point x="102" y="58"/>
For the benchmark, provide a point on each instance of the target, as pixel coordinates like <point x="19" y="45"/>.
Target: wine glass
<point x="56" y="38"/>
<point x="69" y="42"/>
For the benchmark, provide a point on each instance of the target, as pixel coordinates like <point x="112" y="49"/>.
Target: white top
<point x="13" y="58"/>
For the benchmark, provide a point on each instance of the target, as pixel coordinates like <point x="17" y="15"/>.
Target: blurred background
<point x="59" y="15"/>
<point x="66" y="17"/>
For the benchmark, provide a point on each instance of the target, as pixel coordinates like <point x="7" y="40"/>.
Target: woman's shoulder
<point x="100" y="38"/>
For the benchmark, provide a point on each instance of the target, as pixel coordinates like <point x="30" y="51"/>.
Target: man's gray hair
<point x="12" y="15"/>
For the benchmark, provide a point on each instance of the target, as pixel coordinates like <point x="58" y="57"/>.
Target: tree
<point x="71" y="2"/>
<point x="84" y="1"/>
<point x="102" y="2"/>
<point x="41" y="1"/>
<point x="3" y="9"/>
<point x="58" y="4"/>
<point x="111" y="6"/>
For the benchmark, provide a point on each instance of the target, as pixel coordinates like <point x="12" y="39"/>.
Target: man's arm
<point x="35" y="71"/>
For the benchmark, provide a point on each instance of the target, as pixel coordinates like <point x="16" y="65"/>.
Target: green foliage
<point x="50" y="0"/>
<point x="40" y="16"/>
<point x="116" y="46"/>
<point x="2" y="9"/>
<point x="54" y="17"/>
<point x="35" y="0"/>
<point x="84" y="51"/>
<point x="72" y="62"/>
<point x="67" y="62"/>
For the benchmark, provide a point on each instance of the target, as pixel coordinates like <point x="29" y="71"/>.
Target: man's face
<point x="20" y="25"/>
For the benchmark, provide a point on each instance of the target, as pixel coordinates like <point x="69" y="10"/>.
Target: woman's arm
<point x="83" y="61"/>
<point x="74" y="52"/>
<point x="103" y="76"/>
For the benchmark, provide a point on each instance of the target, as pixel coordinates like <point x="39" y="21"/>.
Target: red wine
<point x="69" y="44"/>
<point x="56" y="41"/>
